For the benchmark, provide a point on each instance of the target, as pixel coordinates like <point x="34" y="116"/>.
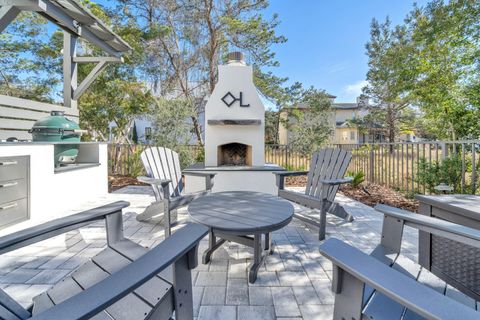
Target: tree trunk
<point x="391" y="127"/>
<point x="198" y="132"/>
<point x="277" y="128"/>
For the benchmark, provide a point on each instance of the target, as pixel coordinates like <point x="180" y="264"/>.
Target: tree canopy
<point x="429" y="63"/>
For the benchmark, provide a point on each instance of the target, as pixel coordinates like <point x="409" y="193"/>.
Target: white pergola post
<point x="69" y="70"/>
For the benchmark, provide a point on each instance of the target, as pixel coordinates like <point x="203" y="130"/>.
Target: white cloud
<point x="355" y="89"/>
<point x="338" y="67"/>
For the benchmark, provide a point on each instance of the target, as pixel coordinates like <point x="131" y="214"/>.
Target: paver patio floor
<point x="294" y="283"/>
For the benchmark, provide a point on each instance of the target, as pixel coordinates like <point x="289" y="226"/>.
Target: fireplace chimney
<point x="236" y="58"/>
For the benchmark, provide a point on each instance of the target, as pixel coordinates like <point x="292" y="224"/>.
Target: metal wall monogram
<point x="229" y="99"/>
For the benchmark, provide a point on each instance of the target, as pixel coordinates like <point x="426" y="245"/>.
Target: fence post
<point x="444" y="150"/>
<point x="286" y="156"/>
<point x="372" y="165"/>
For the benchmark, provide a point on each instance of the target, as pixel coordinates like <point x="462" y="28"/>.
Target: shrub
<point x="358" y="178"/>
<point x="448" y="171"/>
<point x="134" y="163"/>
<point x="291" y="167"/>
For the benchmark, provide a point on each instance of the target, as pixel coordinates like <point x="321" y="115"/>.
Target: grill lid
<point x="55" y="123"/>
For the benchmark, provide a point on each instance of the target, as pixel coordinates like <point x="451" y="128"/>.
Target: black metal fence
<point x="417" y="167"/>
<point x="410" y="167"/>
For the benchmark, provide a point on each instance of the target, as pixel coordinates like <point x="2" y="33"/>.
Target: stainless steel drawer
<point x="13" y="212"/>
<point x="13" y="190"/>
<point x="12" y="168"/>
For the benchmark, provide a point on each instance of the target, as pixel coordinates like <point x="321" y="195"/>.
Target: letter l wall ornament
<point x="241" y="101"/>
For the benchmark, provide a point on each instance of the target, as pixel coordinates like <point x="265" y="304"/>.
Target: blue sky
<point x="326" y="40"/>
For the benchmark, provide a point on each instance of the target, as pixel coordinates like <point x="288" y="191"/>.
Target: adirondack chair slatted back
<point x="163" y="163"/>
<point x="11" y="309"/>
<point x="326" y="164"/>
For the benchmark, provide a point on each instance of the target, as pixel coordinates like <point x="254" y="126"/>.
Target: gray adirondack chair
<point x="326" y="173"/>
<point x="386" y="285"/>
<point x="162" y="166"/>
<point x="124" y="281"/>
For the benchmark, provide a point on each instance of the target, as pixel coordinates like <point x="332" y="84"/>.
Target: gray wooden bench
<point x="326" y="174"/>
<point x="124" y="281"/>
<point x="164" y="175"/>
<point x="386" y="284"/>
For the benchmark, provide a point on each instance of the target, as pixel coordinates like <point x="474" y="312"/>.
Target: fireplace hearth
<point x="234" y="154"/>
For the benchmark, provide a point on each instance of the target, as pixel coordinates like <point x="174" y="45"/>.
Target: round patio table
<point x="243" y="217"/>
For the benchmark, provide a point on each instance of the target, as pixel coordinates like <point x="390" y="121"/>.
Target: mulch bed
<point x="367" y="193"/>
<point x="118" y="181"/>
<point x="373" y="194"/>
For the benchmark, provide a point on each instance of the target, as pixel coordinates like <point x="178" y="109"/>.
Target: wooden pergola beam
<point x="97" y="59"/>
<point x="7" y="15"/>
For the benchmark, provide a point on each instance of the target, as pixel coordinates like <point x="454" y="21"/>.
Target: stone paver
<point x="237" y="292"/>
<point x="284" y="302"/>
<point x="217" y="313"/>
<point x="260" y="296"/>
<point x="295" y="282"/>
<point x="211" y="278"/>
<point x="315" y="312"/>
<point x="256" y="312"/>
<point x="306" y="295"/>
<point x="214" y="296"/>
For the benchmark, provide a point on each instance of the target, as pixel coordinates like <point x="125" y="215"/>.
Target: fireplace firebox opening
<point x="234" y="154"/>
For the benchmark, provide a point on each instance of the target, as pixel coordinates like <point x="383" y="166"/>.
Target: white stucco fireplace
<point x="235" y="134"/>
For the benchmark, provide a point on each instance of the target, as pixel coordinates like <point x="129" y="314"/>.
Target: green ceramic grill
<point x="58" y="128"/>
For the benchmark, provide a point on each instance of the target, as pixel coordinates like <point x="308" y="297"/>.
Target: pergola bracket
<point x="89" y="79"/>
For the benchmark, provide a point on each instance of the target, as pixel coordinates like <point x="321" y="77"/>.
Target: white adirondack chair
<point x="162" y="166"/>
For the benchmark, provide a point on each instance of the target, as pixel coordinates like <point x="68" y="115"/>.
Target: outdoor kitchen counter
<point x="55" y="190"/>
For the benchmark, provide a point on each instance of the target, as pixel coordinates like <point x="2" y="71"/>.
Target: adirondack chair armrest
<point x="353" y="269"/>
<point x="179" y="249"/>
<point x="280" y="176"/>
<point x="335" y="182"/>
<point x="433" y="225"/>
<point x="207" y="175"/>
<point x="56" y="227"/>
<point x="199" y="174"/>
<point x="290" y="173"/>
<point x="159" y="182"/>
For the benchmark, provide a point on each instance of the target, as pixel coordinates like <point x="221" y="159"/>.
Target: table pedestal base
<point x="260" y="250"/>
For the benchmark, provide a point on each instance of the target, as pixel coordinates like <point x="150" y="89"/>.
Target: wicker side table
<point x="455" y="263"/>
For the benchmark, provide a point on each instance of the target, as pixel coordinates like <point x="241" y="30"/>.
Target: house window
<point x="148" y="133"/>
<point x="352" y="135"/>
<point x="345" y="135"/>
